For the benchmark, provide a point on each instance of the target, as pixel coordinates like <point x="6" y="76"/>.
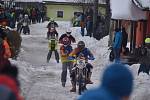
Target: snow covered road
<point x="41" y="80"/>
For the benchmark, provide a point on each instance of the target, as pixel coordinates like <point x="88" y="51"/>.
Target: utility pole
<point x="108" y="22"/>
<point x="95" y="15"/>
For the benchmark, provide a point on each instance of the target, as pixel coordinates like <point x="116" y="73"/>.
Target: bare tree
<point x="84" y="4"/>
<point x="95" y="8"/>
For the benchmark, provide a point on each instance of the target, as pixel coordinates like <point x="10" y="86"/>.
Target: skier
<point x="52" y="38"/>
<point x="67" y="34"/>
<point x="65" y="50"/>
<point x="81" y="49"/>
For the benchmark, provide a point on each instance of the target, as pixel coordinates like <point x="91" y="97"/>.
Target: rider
<point x="67" y="34"/>
<point x="52" y="33"/>
<point x="52" y="36"/>
<point x="65" y="50"/>
<point x="81" y="49"/>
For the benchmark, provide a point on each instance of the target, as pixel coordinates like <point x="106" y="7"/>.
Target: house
<point x="132" y="16"/>
<point x="65" y="10"/>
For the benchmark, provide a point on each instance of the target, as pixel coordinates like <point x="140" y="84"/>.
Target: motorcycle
<point x="52" y="43"/>
<point x="81" y="73"/>
<point x="111" y="55"/>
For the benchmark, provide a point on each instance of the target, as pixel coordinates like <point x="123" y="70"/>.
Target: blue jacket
<point x="118" y="40"/>
<point x="86" y="53"/>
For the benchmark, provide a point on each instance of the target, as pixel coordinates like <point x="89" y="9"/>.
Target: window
<point x="60" y="14"/>
<point x="77" y="13"/>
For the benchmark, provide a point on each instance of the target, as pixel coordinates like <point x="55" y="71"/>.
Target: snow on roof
<point x="125" y="9"/>
<point x="25" y="0"/>
<point x="73" y="1"/>
<point x="142" y="3"/>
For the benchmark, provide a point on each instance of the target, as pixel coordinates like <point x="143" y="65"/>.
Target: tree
<point x="95" y="8"/>
<point x="84" y="4"/>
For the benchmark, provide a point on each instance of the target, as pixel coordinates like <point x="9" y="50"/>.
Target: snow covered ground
<point x="41" y="80"/>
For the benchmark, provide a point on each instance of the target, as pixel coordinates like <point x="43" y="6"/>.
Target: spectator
<point x="5" y="52"/>
<point x="9" y="79"/>
<point x="124" y="40"/>
<point x="145" y="59"/>
<point x="82" y="23"/>
<point x="117" y="84"/>
<point x="89" y="26"/>
<point x="117" y="44"/>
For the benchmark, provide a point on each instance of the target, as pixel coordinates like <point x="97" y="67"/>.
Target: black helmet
<point x="81" y="45"/>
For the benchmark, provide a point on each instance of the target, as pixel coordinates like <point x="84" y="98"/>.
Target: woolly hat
<point x="6" y="93"/>
<point x="118" y="79"/>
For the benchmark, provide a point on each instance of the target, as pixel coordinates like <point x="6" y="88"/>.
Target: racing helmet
<point x="81" y="45"/>
<point x="68" y="31"/>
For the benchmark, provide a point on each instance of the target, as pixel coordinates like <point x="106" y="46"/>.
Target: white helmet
<point x="26" y="16"/>
<point x="68" y="31"/>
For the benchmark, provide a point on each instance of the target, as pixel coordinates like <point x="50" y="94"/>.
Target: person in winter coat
<point x="89" y="26"/>
<point x="67" y="34"/>
<point x="124" y="40"/>
<point x="117" y="44"/>
<point x="145" y="59"/>
<point x="116" y="84"/>
<point x="5" y="52"/>
<point x="82" y="23"/>
<point x="65" y="50"/>
<point x="20" y="23"/>
<point x="86" y="53"/>
<point x="9" y="78"/>
<point x="52" y="38"/>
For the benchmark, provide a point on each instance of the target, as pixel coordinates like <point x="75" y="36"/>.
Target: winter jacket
<point x="11" y="84"/>
<point x="118" y="40"/>
<point x="64" y="53"/>
<point x="7" y="52"/>
<point x="71" y="38"/>
<point x="86" y="53"/>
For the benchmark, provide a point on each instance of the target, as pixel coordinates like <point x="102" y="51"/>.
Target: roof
<point x="142" y="4"/>
<point x="126" y="10"/>
<point x="74" y="1"/>
<point x="58" y="1"/>
<point x="25" y="0"/>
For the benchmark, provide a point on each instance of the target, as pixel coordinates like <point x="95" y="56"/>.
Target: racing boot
<point x="89" y="78"/>
<point x="73" y="87"/>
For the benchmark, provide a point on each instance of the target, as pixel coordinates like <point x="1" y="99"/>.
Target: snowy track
<point x="41" y="80"/>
